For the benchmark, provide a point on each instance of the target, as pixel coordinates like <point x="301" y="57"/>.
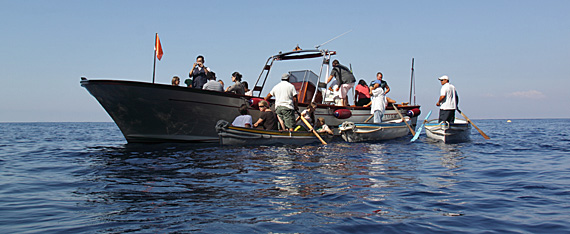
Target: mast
<point x="412" y="84"/>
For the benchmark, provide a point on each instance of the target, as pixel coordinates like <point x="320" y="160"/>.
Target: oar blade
<point x="479" y="130"/>
<point x="417" y="135"/>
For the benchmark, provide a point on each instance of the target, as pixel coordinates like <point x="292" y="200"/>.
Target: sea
<point x="85" y="178"/>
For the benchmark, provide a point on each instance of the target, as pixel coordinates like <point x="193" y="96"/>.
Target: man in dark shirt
<point x="345" y="80"/>
<point x="382" y="83"/>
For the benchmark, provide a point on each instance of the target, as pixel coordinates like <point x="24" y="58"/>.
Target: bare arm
<point x="192" y="70"/>
<point x="268" y="97"/>
<point x="440" y="100"/>
<point x="329" y="79"/>
<point x="259" y="121"/>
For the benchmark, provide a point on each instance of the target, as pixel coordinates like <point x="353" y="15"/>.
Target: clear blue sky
<point x="508" y="59"/>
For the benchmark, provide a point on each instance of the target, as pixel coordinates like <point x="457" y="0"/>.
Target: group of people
<point x="286" y="105"/>
<point x="373" y="95"/>
<point x="203" y="77"/>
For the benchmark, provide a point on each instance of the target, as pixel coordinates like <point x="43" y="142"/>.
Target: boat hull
<point x="359" y="132"/>
<point x="457" y="132"/>
<point x="153" y="113"/>
<point x="230" y="135"/>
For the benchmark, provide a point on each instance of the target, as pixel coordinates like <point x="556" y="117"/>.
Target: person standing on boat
<point x="382" y="83"/>
<point x="285" y="101"/>
<point x="198" y="73"/>
<point x="378" y="103"/>
<point x="267" y="118"/>
<point x="345" y="79"/>
<point x="237" y="87"/>
<point x="448" y="100"/>
<point x="212" y="84"/>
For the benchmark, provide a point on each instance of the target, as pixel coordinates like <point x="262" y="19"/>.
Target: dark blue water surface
<point x="84" y="178"/>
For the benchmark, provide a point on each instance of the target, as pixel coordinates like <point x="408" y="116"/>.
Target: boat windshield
<point x="303" y="75"/>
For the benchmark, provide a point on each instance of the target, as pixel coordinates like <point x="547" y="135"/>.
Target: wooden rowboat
<point x="456" y="132"/>
<point x="357" y="132"/>
<point x="231" y="135"/>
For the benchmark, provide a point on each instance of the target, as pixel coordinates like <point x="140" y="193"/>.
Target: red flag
<point x="158" y="48"/>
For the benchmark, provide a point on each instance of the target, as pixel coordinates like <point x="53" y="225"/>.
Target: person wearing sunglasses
<point x="267" y="118"/>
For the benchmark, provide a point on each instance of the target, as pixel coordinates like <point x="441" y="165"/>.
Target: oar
<point x="417" y="135"/>
<point x="311" y="129"/>
<point x="366" y="121"/>
<point x="403" y="119"/>
<point x="471" y="122"/>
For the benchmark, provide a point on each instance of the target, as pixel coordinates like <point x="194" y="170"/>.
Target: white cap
<point x="443" y="78"/>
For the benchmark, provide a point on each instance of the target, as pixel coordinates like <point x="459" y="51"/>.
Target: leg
<point x="377" y="116"/>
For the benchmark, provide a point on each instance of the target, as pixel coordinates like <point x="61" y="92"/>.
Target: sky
<point x="508" y="59"/>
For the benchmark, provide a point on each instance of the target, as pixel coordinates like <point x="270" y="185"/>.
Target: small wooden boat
<point x="357" y="132"/>
<point x="231" y="135"/>
<point x="456" y="132"/>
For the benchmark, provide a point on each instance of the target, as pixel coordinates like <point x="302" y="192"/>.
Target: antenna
<point x="317" y="46"/>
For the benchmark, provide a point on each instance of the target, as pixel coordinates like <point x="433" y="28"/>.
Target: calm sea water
<point x="84" y="178"/>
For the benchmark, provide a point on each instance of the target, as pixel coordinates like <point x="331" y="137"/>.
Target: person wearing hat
<point x="285" y="101"/>
<point x="448" y="100"/>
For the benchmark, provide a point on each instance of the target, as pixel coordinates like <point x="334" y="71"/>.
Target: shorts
<point x="344" y="89"/>
<point x="446" y="115"/>
<point x="287" y="115"/>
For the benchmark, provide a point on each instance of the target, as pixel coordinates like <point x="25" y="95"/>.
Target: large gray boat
<point x="148" y="112"/>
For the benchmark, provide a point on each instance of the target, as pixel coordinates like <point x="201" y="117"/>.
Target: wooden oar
<point x="403" y="119"/>
<point x="311" y="129"/>
<point x="366" y="121"/>
<point x="417" y="135"/>
<point x="471" y="122"/>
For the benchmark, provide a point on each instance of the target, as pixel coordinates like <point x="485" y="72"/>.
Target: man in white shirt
<point x="285" y="101"/>
<point x="448" y="100"/>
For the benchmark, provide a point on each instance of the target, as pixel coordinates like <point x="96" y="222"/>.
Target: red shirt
<point x="362" y="91"/>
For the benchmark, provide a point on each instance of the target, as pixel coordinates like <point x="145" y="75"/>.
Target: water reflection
<point x="170" y="185"/>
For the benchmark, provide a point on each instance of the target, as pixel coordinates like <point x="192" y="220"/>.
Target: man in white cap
<point x="285" y="101"/>
<point x="448" y="100"/>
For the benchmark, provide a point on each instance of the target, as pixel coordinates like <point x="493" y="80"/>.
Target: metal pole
<point x="154" y="66"/>
<point x="411" y="82"/>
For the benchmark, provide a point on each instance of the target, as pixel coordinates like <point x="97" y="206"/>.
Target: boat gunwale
<point x="87" y="82"/>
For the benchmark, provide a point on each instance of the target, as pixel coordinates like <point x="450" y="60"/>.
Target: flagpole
<point x="154" y="66"/>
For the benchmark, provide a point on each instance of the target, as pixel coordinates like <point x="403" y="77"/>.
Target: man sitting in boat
<point x="212" y="84"/>
<point x="244" y="119"/>
<point x="248" y="92"/>
<point x="285" y="101"/>
<point x="323" y="127"/>
<point x="267" y="118"/>
<point x="175" y="81"/>
<point x="309" y="115"/>
<point x="345" y="79"/>
<point x="447" y="101"/>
